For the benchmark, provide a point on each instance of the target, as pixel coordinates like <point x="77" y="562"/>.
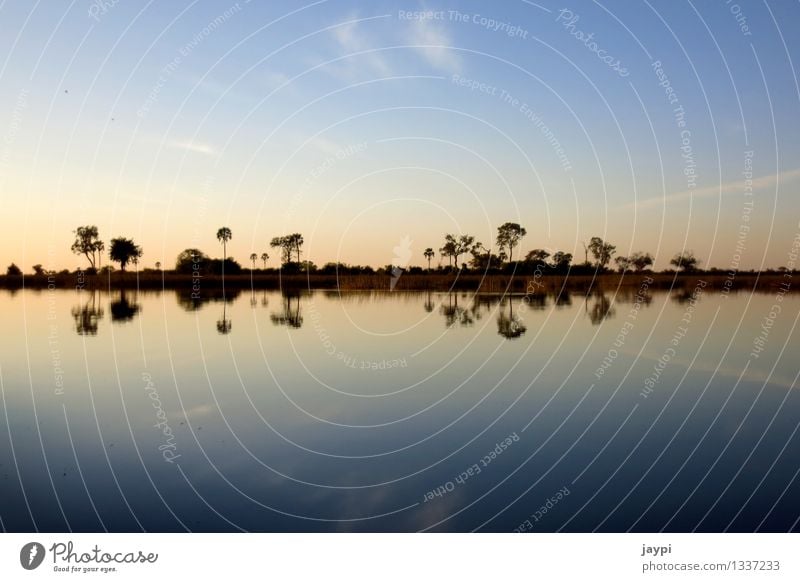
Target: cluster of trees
<point x="509" y="236"/>
<point x="121" y="250"/>
<point x="125" y="251"/>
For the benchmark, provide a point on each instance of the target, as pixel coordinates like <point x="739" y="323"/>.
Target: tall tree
<point x="264" y="257"/>
<point x="286" y="244"/>
<point x="87" y="243"/>
<point x="449" y="248"/>
<point x="296" y="241"/>
<point x="508" y="236"/>
<point x="429" y="254"/>
<point x="224" y="234"/>
<point x="462" y="246"/>
<point x="124" y="250"/>
<point x="253" y="258"/>
<point x="602" y="251"/>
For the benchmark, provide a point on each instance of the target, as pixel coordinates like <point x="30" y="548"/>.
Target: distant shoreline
<point x="494" y="283"/>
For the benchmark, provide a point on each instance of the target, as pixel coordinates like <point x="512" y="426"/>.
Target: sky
<point x="374" y="128"/>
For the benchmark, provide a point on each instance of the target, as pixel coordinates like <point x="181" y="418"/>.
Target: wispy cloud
<point x="735" y="187"/>
<point x="350" y="37"/>
<point x="193" y="146"/>
<point x="434" y="44"/>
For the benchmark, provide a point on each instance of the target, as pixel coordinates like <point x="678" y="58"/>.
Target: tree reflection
<point x="510" y="326"/>
<point x="290" y="315"/>
<point x="601" y="309"/>
<point x="224" y="325"/>
<point x="453" y="313"/>
<point x="194" y="300"/>
<point x="87" y="317"/>
<point x="428" y="305"/>
<point x="123" y="310"/>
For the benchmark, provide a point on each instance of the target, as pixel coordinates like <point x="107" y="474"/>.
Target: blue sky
<point x="358" y="125"/>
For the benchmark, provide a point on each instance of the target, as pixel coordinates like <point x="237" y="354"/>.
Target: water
<point x="399" y="412"/>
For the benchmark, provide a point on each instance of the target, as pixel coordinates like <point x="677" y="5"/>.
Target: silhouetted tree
<point x="449" y="248"/>
<point x="291" y="243"/>
<point x="601" y="251"/>
<point x="224" y="234"/>
<point x="537" y="257"/>
<point x="296" y="241"/>
<point x="508" y="236"/>
<point x="123" y="250"/>
<point x="623" y="263"/>
<point x="637" y="261"/>
<point x="641" y="261"/>
<point x="429" y="254"/>
<point x="38" y="270"/>
<point x="561" y="260"/>
<point x="13" y="270"/>
<point x="158" y="265"/>
<point x="481" y="257"/>
<point x="87" y="243"/>
<point x="685" y="261"/>
<point x="264" y="257"/>
<point x="253" y="258"/>
<point x="190" y="260"/>
<point x="462" y="246"/>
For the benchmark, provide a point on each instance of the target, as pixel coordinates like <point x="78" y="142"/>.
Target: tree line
<point x="124" y="251"/>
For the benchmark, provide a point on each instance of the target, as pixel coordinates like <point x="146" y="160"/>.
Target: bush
<point x="13" y="270"/>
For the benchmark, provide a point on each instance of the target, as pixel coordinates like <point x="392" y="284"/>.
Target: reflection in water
<point x="87" y="316"/>
<point x="123" y="310"/>
<point x="224" y="325"/>
<point x="193" y="301"/>
<point x="290" y="316"/>
<point x="453" y="313"/>
<point x="466" y="380"/>
<point x="563" y="299"/>
<point x="536" y="301"/>
<point x="428" y="305"/>
<point x="601" y="309"/>
<point x="510" y="326"/>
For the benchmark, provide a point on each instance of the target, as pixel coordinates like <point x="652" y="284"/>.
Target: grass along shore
<point x="435" y="281"/>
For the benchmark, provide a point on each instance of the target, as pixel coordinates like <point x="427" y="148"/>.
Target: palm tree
<point x="429" y="254"/>
<point x="264" y="257"/>
<point x="158" y="265"/>
<point x="224" y="235"/>
<point x="253" y="258"/>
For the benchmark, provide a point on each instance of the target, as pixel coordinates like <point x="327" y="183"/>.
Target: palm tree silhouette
<point x="253" y="258"/>
<point x="224" y="234"/>
<point x="264" y="257"/>
<point x="429" y="254"/>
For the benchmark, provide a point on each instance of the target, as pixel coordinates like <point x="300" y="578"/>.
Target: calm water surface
<point x="272" y="411"/>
